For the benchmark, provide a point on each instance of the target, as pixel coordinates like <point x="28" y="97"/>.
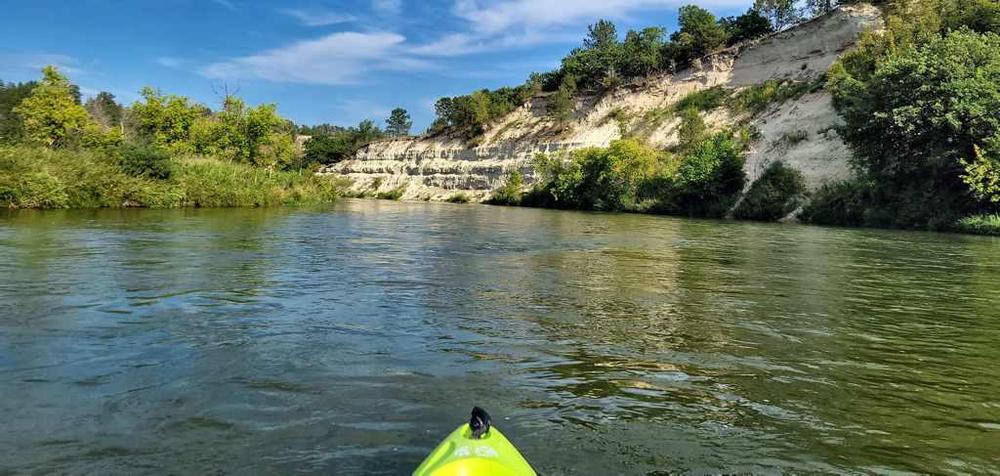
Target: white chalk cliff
<point x="438" y="167"/>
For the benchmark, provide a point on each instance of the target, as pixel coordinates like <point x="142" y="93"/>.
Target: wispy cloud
<point x="486" y="25"/>
<point x="388" y="7"/>
<point x="338" y="58"/>
<point x="493" y="25"/>
<point x="317" y="17"/>
<point x="28" y="62"/>
<point x="457" y="44"/>
<point x="226" y="4"/>
<point x="499" y="17"/>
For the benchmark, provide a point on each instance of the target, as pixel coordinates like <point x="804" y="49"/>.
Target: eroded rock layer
<point x="800" y="132"/>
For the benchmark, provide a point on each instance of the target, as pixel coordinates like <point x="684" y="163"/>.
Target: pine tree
<point x="398" y="124"/>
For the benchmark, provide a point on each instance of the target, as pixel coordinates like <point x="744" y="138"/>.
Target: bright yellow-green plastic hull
<point x="461" y="455"/>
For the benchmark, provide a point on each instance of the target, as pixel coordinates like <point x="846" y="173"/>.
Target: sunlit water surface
<point x="350" y="340"/>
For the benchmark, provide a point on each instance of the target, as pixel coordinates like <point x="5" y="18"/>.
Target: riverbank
<point x="35" y="177"/>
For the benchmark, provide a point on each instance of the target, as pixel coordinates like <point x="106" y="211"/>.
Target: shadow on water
<point x="350" y="339"/>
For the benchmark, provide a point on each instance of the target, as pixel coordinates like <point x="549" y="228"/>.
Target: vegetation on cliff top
<point x="602" y="63"/>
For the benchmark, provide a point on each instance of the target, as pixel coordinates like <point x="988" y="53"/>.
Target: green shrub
<point x="704" y="100"/>
<point x="32" y="177"/>
<point x="510" y="192"/>
<point x="917" y="121"/>
<point x="621" y="118"/>
<point x="778" y="192"/>
<point x="394" y="194"/>
<point x="979" y="225"/>
<point x="691" y="131"/>
<point x="611" y="178"/>
<point x="755" y="99"/>
<point x="708" y="179"/>
<point x="840" y="204"/>
<point x="460" y="197"/>
<point x="32" y="190"/>
<point x="145" y="161"/>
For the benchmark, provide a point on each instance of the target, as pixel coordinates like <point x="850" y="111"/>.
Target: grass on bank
<point x="33" y="177"/>
<point x="979" y="225"/>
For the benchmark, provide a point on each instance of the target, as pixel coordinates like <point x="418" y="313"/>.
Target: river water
<point x="350" y="340"/>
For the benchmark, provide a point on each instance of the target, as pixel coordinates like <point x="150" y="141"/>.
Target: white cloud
<point x="317" y="17"/>
<point x="493" y="25"/>
<point x="34" y="62"/>
<point x="388" y="7"/>
<point x="457" y="44"/>
<point x="338" y="58"/>
<point x="347" y="57"/>
<point x="490" y="18"/>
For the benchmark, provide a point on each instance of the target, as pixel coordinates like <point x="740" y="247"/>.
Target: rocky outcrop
<point x="800" y="132"/>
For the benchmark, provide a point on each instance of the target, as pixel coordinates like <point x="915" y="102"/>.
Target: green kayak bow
<point x="475" y="449"/>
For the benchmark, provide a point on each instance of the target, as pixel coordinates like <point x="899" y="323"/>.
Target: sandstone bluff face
<point x="436" y="168"/>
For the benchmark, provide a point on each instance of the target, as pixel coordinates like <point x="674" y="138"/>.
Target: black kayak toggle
<point x="480" y="423"/>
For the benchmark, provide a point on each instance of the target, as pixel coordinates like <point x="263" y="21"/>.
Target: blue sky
<point x="320" y="61"/>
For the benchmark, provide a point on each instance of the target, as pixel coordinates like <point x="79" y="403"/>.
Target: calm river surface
<point x="350" y="340"/>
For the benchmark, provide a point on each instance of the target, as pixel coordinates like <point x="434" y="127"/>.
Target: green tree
<point x="366" y="132"/>
<point x="778" y="192"/>
<point x="782" y="13"/>
<point x="105" y="110"/>
<point x="611" y="178"/>
<point x="979" y="15"/>
<point x="255" y="135"/>
<point x="699" y="34"/>
<point x="562" y="104"/>
<point x="820" y="7"/>
<point x="398" y="123"/>
<point x="601" y="35"/>
<point x="342" y="144"/>
<point x="747" y="26"/>
<point x="595" y="64"/>
<point x="641" y="52"/>
<point x="52" y="117"/>
<point x="709" y="177"/>
<point x="705" y="32"/>
<point x="924" y="120"/>
<point x="692" y="129"/>
<point x="982" y="172"/>
<point x="510" y="192"/>
<point x="11" y="94"/>
<point x="164" y="120"/>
